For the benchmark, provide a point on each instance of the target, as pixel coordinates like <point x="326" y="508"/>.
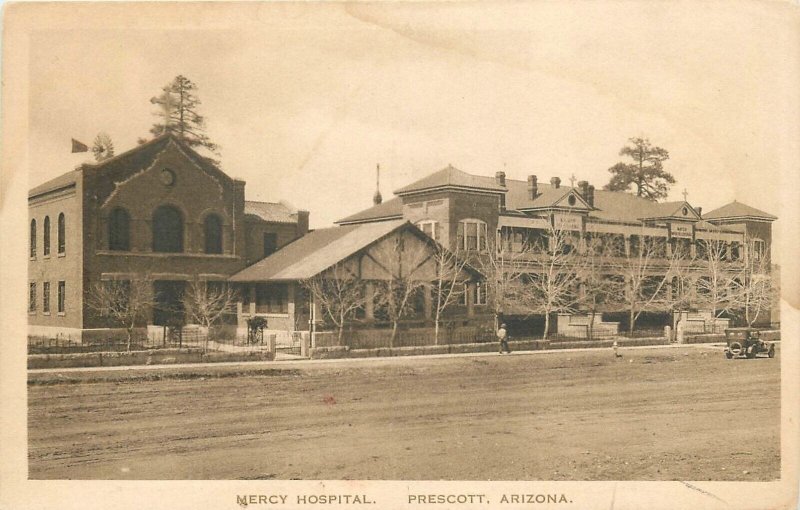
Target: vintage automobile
<point x="745" y="343"/>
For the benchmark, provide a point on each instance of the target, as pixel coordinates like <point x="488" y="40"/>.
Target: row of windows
<point x="520" y="240"/>
<point x="32" y="301"/>
<point x="167" y="231"/>
<point x="270" y="298"/>
<point x="470" y="236"/>
<point x="46" y="239"/>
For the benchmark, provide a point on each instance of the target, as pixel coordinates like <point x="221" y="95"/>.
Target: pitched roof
<point x="62" y="181"/>
<point x="737" y="210"/>
<point x="273" y="212"/>
<point x="391" y="209"/>
<point x="452" y="177"/>
<point x="139" y="157"/>
<point x="315" y="252"/>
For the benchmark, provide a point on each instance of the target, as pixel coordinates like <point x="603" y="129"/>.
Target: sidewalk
<point x="289" y="361"/>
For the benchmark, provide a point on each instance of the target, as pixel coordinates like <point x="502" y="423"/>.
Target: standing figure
<point x="502" y="335"/>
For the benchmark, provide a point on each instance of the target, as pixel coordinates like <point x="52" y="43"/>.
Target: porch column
<point x="627" y="245"/>
<point x="369" y="305"/>
<point x="427" y="301"/>
<point x="251" y="288"/>
<point x="470" y="299"/>
<point x="290" y="305"/>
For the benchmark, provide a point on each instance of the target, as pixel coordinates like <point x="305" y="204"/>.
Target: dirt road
<point x="660" y="414"/>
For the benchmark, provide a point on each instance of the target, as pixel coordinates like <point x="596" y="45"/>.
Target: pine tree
<point x="179" y="115"/>
<point x="646" y="172"/>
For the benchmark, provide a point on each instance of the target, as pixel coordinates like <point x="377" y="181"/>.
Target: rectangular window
<point x="471" y="233"/>
<point x="480" y="294"/>
<point x="518" y="241"/>
<point x="759" y="248"/>
<point x="462" y="297"/>
<point x="245" y="293"/>
<point x="46" y="297"/>
<point x="734" y="253"/>
<point x="32" y="297"/>
<point x="61" y="296"/>
<point x="270" y="243"/>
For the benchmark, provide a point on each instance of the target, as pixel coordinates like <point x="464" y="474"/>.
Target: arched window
<point x="46" y="247"/>
<point x="33" y="238"/>
<point x="61" y="233"/>
<point x="213" y="234"/>
<point x="119" y="230"/>
<point x="167" y="230"/>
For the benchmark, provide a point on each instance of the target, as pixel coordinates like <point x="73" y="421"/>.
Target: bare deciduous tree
<point x="716" y="276"/>
<point x="754" y="290"/>
<point x="555" y="275"/>
<point x="339" y="292"/>
<point x="647" y="271"/>
<point x="502" y="267"/>
<point x="126" y="302"/>
<point x="599" y="288"/>
<point x="448" y="282"/>
<point x="207" y="302"/>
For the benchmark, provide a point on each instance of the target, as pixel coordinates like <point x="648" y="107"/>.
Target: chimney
<point x="590" y="195"/>
<point x="555" y="182"/>
<point x="500" y="178"/>
<point x="302" y="223"/>
<point x="583" y="188"/>
<point x="699" y="211"/>
<point x="533" y="187"/>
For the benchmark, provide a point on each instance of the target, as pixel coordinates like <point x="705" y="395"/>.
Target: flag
<point x="79" y="147"/>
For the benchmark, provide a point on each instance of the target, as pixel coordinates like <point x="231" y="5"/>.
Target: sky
<point x="305" y="100"/>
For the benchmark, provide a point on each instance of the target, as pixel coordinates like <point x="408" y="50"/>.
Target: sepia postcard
<point x="400" y="255"/>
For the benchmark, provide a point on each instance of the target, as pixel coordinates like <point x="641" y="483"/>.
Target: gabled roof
<point x="389" y="210"/>
<point x="272" y="212"/>
<point x="738" y="210"/>
<point x="315" y="252"/>
<point x="62" y="181"/>
<point x="547" y="196"/>
<point x="137" y="158"/>
<point x="451" y="177"/>
<point x="671" y="210"/>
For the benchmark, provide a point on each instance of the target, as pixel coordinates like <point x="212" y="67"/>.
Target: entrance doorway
<point x="169" y="301"/>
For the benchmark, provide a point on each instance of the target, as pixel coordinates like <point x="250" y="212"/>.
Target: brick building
<point x="159" y="209"/>
<point x="473" y="213"/>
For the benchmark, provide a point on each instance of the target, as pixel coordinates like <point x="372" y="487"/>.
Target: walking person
<point x="502" y="335"/>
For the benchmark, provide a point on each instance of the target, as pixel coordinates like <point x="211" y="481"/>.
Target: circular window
<point x="685" y="211"/>
<point x="571" y="200"/>
<point x="167" y="177"/>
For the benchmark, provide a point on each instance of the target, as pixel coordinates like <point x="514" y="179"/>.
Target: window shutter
<point x="482" y="230"/>
<point x="460" y="235"/>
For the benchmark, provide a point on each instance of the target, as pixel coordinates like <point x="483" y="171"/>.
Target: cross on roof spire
<point x="572" y="179"/>
<point x="685" y="193"/>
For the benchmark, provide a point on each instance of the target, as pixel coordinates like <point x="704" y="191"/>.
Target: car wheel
<point x="728" y="355"/>
<point x="771" y="352"/>
<point x="735" y="348"/>
<point x="752" y="352"/>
